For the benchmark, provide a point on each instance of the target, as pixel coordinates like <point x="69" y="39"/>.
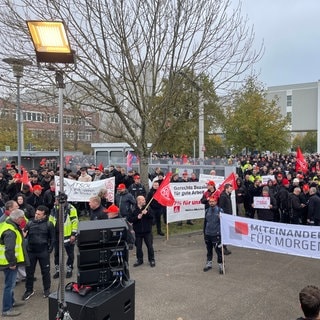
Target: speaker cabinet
<point x="99" y="233"/>
<point x="113" y="304"/>
<point x="102" y="256"/>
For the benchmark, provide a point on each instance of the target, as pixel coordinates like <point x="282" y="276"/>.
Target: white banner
<point x="82" y="191"/>
<point x="187" y="204"/>
<point x="207" y="177"/>
<point x="218" y="180"/>
<point x="261" y="202"/>
<point x="265" y="179"/>
<point x="290" y="239"/>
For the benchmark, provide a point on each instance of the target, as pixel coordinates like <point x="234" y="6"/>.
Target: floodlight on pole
<point x="17" y="68"/>
<point x="52" y="47"/>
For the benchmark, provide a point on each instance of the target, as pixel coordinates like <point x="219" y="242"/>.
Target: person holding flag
<point x="157" y="209"/>
<point x="162" y="196"/>
<point x="141" y="220"/>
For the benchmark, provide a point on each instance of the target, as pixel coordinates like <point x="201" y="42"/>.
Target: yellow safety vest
<point x="70" y="225"/>
<point x="18" y="248"/>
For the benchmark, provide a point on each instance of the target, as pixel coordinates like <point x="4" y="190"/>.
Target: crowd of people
<point x="31" y="212"/>
<point x="29" y="224"/>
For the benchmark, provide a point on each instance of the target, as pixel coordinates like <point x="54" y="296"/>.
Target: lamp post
<point x="201" y="114"/>
<point x="17" y="68"/>
<point x="52" y="47"/>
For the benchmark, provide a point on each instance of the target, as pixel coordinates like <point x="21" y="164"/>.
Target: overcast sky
<point x="290" y="30"/>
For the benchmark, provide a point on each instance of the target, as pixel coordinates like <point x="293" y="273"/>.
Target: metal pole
<point x="17" y="68"/>
<point x="62" y="197"/>
<point x="19" y="133"/>
<point x="201" y="127"/>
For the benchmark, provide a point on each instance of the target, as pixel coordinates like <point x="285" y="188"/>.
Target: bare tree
<point x="125" y="48"/>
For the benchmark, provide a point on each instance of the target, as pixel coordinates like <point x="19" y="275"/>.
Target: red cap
<point x="112" y="209"/>
<point x="17" y="176"/>
<point x="305" y="187"/>
<point x="121" y="186"/>
<point x="136" y="176"/>
<point x="37" y="187"/>
<point x="211" y="183"/>
<point x="285" y="181"/>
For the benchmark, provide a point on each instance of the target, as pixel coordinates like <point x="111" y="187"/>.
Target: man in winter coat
<point x="212" y="235"/>
<point x="12" y="254"/>
<point x="40" y="241"/>
<point x="142" y="226"/>
<point x="124" y="201"/>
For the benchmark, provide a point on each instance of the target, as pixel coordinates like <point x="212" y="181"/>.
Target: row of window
<point x="70" y="135"/>
<point x="53" y="118"/>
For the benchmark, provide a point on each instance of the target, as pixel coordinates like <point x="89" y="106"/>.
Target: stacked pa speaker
<point x="103" y="252"/>
<point x="103" y="266"/>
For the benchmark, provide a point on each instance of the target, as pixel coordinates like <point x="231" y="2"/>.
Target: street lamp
<point x="17" y="68"/>
<point x="202" y="147"/>
<point x="52" y="47"/>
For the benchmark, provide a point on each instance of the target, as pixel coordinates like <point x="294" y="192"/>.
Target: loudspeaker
<point x="99" y="233"/>
<point x="100" y="277"/>
<point x="112" y="304"/>
<point x="102" y="256"/>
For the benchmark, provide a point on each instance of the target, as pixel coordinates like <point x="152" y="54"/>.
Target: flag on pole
<point x="301" y="164"/>
<point x="130" y="157"/>
<point x="101" y="167"/>
<point x="231" y="179"/>
<point x="163" y="194"/>
<point x="25" y="180"/>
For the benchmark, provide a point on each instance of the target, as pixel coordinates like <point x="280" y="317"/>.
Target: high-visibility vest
<point x="70" y="225"/>
<point x="18" y="248"/>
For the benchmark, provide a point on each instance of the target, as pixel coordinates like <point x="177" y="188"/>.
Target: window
<point x="67" y="120"/>
<point x="85" y="136"/>
<point x="289" y="101"/>
<point x="54" y="118"/>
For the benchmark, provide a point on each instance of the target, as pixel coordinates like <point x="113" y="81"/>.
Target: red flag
<point x="101" y="167"/>
<point x="231" y="179"/>
<point x="25" y="180"/>
<point x="129" y="160"/>
<point x="301" y="164"/>
<point x="163" y="194"/>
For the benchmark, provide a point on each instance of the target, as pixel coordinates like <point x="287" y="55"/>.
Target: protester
<point x="97" y="211"/>
<point x="212" y="235"/>
<point x="226" y="206"/>
<point x="142" y="226"/>
<point x="124" y="200"/>
<point x="267" y="214"/>
<point x="137" y="188"/>
<point x="156" y="209"/>
<point x="70" y="223"/>
<point x="36" y="199"/>
<point x="40" y="242"/>
<point x="28" y="210"/>
<point x="309" y="298"/>
<point x="12" y="254"/>
<point x="314" y="207"/>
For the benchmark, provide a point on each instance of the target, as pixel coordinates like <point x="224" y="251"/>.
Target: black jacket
<point x="225" y="202"/>
<point x="143" y="225"/>
<point x="40" y="236"/>
<point x="98" y="214"/>
<point x="314" y="207"/>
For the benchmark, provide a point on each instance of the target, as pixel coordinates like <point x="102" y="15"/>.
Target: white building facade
<point x="302" y="102"/>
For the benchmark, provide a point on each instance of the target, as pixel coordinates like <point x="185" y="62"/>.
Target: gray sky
<point x="290" y="30"/>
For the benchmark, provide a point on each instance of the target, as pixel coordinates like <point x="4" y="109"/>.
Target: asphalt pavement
<point x="257" y="285"/>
